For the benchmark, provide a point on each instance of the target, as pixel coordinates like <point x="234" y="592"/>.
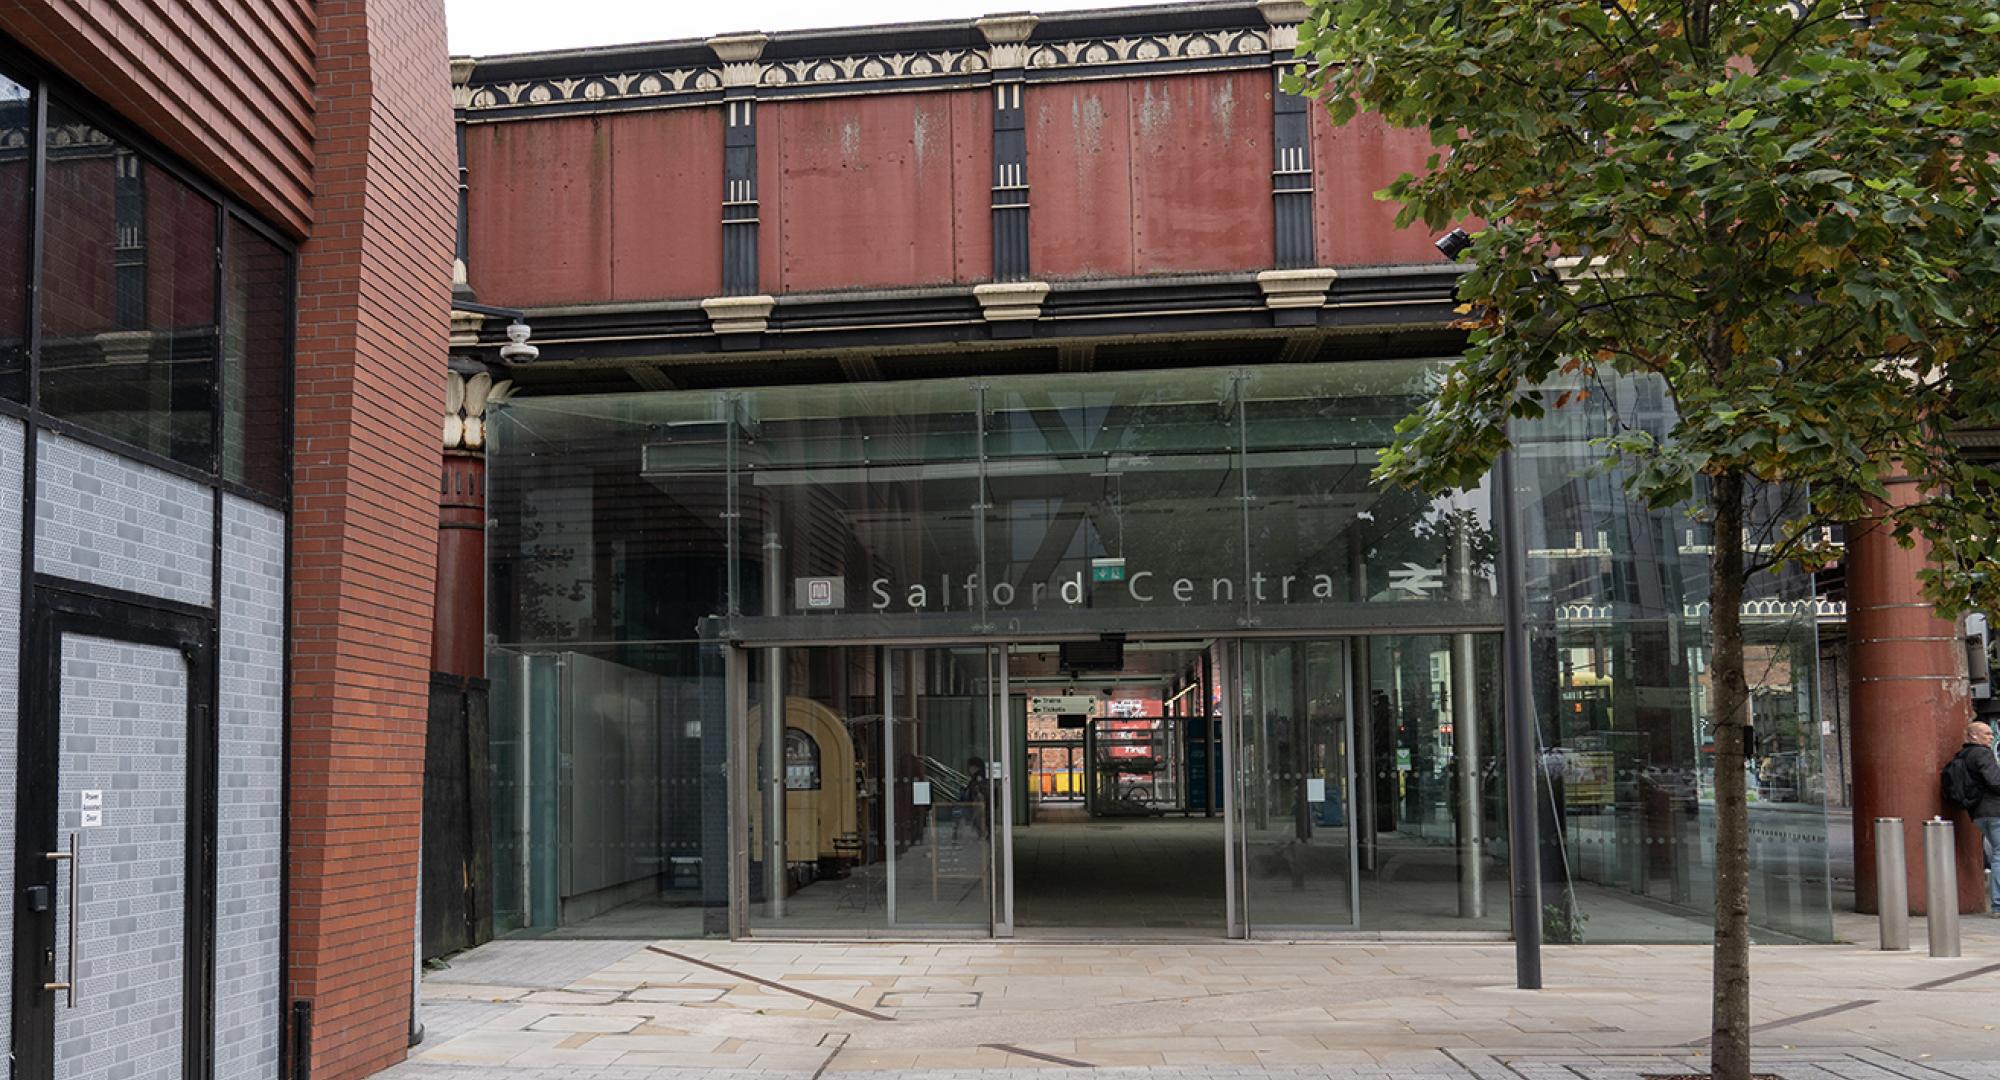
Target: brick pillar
<point x="374" y="292"/>
<point x="1909" y="702"/>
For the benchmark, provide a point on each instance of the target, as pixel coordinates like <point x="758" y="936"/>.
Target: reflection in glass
<point x="257" y="286"/>
<point x="1618" y="604"/>
<point x="128" y="299"/>
<point x="16" y="176"/>
<point x="1432" y="801"/>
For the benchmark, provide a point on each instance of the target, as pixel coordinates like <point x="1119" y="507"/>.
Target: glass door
<point x="1294" y="772"/>
<point x="870" y="796"/>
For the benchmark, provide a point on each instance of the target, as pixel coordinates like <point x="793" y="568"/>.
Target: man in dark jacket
<point x="1978" y="753"/>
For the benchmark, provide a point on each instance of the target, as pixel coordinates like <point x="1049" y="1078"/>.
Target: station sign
<point x="1059" y="704"/>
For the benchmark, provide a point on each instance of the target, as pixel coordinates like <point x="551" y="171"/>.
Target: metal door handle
<point x="68" y="986"/>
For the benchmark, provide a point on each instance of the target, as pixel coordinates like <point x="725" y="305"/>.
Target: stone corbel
<point x="1295" y="296"/>
<point x="1007" y="40"/>
<point x="1011" y="301"/>
<point x="739" y="53"/>
<point x="739" y="314"/>
<point x="1284" y="17"/>
<point x="461" y="81"/>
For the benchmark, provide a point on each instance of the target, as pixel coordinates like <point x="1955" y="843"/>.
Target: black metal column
<point x="741" y="74"/>
<point x="739" y="198"/>
<point x="1291" y="174"/>
<point x="1523" y="762"/>
<point x="1010" y="179"/>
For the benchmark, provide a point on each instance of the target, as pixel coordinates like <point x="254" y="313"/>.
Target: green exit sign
<point x="1107" y="569"/>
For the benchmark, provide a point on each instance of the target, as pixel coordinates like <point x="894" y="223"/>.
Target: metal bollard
<point x="1941" y="886"/>
<point x="1892" y="884"/>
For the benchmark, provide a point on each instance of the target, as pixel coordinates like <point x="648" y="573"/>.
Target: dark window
<point x="257" y="298"/>
<point x="128" y="295"/>
<point x="17" y="145"/>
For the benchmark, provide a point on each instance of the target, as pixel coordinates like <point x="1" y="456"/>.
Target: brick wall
<point x="373" y="322"/>
<point x="224" y="84"/>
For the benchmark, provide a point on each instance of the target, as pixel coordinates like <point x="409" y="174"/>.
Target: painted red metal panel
<point x="1080" y="172"/>
<point x="1201" y="173"/>
<point x="539" y="213"/>
<point x="666" y="204"/>
<point x="972" y="186"/>
<point x="770" y="199"/>
<point x="1351" y="164"/>
<point x="867" y="192"/>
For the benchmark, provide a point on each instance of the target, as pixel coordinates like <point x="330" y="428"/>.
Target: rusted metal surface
<point x="666" y="213"/>
<point x="539" y="211"/>
<point x="1151" y="175"/>
<point x="890" y="190"/>
<point x="1352" y="163"/>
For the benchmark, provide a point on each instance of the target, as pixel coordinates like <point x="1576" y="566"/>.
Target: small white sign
<point x="920" y="793"/>
<point x="93" y="799"/>
<point x="93" y="818"/>
<point x="999" y="771"/>
<point x="1315" y="790"/>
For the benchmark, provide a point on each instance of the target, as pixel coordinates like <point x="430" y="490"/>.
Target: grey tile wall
<point x="117" y="523"/>
<point x="124" y="731"/>
<point x="11" y="448"/>
<point x="249" y="819"/>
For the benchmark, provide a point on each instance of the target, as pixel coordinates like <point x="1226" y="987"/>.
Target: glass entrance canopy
<point x="1162" y="501"/>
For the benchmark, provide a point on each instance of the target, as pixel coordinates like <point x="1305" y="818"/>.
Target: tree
<point x="1783" y="213"/>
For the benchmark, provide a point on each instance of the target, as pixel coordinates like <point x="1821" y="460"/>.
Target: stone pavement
<point x="543" y="1010"/>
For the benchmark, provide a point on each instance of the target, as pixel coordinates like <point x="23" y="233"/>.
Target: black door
<point x="113" y="939"/>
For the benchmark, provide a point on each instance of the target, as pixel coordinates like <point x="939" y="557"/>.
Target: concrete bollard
<point x="1941" y="886"/>
<point x="1892" y="885"/>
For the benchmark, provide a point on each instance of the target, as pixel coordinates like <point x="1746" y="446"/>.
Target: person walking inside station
<point x="1971" y="782"/>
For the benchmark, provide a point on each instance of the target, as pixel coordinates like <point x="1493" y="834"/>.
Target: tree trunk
<point x="1729" y="709"/>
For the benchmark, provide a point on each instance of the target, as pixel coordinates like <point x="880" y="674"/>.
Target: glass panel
<point x="944" y="867"/>
<point x="591" y="543"/>
<point x="1115" y="494"/>
<point x="869" y="490"/>
<point x="257" y="291"/>
<point x="1433" y="790"/>
<point x="604" y="825"/>
<point x="847" y="817"/>
<point x="1617" y="601"/>
<point x="128" y="298"/>
<point x="1324" y="536"/>
<point x="17" y="117"/>
<point x="1292" y="760"/>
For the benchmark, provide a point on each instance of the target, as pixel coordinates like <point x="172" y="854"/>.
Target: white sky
<point x="486" y="27"/>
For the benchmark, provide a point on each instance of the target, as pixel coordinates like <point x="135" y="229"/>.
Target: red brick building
<point x="274" y="517"/>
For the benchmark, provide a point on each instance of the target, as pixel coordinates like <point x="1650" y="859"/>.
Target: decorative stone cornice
<point x="1006" y="39"/>
<point x="739" y="53"/>
<point x="1289" y="289"/>
<point x="739" y="314"/>
<point x="739" y="63"/>
<point x="1012" y="301"/>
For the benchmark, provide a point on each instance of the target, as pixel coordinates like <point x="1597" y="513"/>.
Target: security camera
<point x="517" y="350"/>
<point x="1453" y="244"/>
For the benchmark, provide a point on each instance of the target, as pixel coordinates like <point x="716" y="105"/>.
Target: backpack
<point x="1961" y="786"/>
